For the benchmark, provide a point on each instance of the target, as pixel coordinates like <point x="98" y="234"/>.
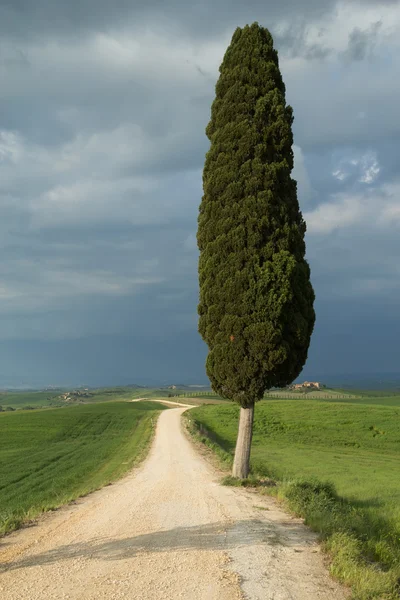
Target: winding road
<point x="167" y="531"/>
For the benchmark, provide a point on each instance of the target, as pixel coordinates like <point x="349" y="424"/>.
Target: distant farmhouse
<point x="314" y="385"/>
<point x="75" y="395"/>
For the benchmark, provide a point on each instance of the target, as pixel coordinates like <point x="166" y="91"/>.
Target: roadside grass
<point x="335" y="464"/>
<point x="51" y="457"/>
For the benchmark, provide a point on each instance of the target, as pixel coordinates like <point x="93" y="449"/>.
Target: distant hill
<point x="370" y="381"/>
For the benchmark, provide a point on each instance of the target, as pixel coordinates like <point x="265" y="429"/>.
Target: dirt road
<point x="165" y="532"/>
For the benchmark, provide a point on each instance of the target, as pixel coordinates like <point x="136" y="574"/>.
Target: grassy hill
<point x="34" y="399"/>
<point x="49" y="457"/>
<point x="55" y="398"/>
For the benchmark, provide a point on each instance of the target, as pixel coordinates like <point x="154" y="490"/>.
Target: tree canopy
<point x="256" y="299"/>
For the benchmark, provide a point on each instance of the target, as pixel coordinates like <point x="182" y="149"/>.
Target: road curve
<point x="166" y="531"/>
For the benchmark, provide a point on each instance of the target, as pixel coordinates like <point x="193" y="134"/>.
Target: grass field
<point x="50" y="457"/>
<point x="44" y="398"/>
<point x="35" y="399"/>
<point x="366" y="399"/>
<point x="41" y="399"/>
<point x="324" y="394"/>
<point x="338" y="465"/>
<point x="53" y="398"/>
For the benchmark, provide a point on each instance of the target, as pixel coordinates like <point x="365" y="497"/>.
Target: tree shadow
<point x="372" y="502"/>
<point x="214" y="536"/>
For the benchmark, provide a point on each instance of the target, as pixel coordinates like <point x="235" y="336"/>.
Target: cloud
<point x="300" y="174"/>
<point x="342" y="211"/>
<point x="362" y="43"/>
<point x="199" y="20"/>
<point x="300" y="39"/>
<point x="340" y="175"/>
<point x="374" y="211"/>
<point x="353" y="248"/>
<point x="190" y="243"/>
<point x="370" y="169"/>
<point x="363" y="169"/>
<point x="103" y="110"/>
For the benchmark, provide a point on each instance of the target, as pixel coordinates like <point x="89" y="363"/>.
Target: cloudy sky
<point x="103" y="107"/>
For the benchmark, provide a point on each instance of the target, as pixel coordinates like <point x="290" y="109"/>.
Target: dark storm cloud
<point x="22" y="17"/>
<point x="292" y="42"/>
<point x="25" y="18"/>
<point x="103" y="108"/>
<point x="362" y="42"/>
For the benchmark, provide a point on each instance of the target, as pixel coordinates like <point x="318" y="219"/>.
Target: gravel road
<point x="166" y="531"/>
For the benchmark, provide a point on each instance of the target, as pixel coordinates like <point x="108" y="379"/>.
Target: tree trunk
<point x="241" y="463"/>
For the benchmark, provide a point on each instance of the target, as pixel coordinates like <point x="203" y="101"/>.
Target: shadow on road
<point x="214" y="536"/>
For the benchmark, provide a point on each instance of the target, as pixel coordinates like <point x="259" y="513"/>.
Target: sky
<point x="103" y="109"/>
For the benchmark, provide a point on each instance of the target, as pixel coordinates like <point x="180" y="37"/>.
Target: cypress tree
<point x="256" y="300"/>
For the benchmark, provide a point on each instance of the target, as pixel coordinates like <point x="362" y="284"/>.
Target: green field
<point x="23" y="399"/>
<point x="50" y="457"/>
<point x="352" y="447"/>
<point x="54" y="398"/>
<point x="365" y="398"/>
<point x="44" y="398"/>
<point x="324" y="394"/>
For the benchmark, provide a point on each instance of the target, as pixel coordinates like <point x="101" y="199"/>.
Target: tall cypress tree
<point x="256" y="300"/>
